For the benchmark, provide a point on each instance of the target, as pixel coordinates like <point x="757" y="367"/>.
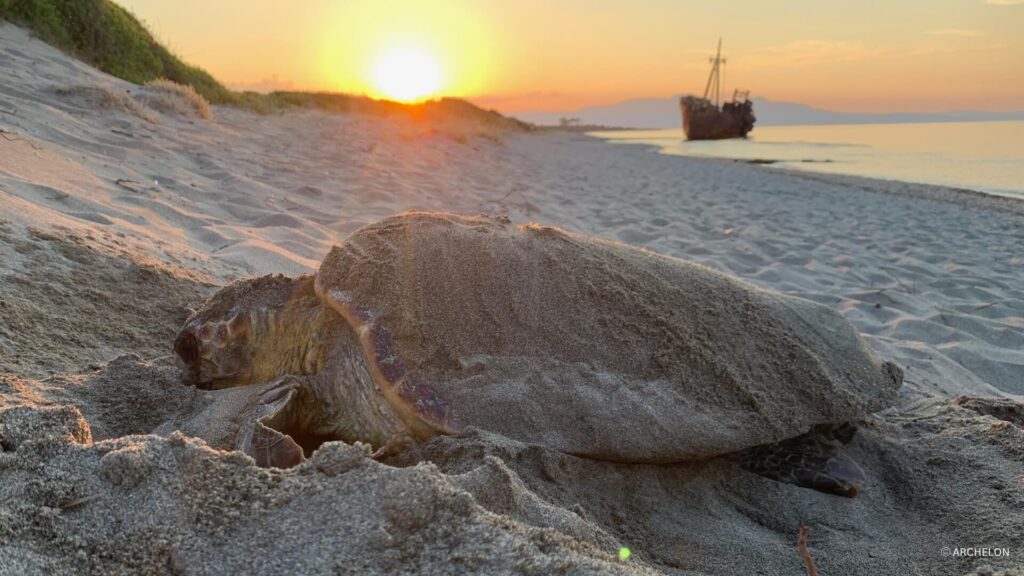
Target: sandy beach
<point x="118" y="219"/>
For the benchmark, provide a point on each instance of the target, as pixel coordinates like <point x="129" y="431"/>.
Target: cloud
<point x="957" y="32"/>
<point x="810" y="52"/>
<point x="1004" y="2"/>
<point x="949" y="49"/>
<point x="819" y="52"/>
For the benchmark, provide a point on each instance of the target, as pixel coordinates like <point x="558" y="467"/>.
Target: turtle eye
<point x="187" y="347"/>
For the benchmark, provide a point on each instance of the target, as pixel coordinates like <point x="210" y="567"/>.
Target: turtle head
<point x="252" y="331"/>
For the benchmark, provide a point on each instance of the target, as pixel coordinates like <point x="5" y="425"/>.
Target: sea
<point x="981" y="156"/>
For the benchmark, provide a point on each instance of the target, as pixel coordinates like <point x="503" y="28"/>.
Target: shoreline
<point x="1015" y="197"/>
<point x="966" y="197"/>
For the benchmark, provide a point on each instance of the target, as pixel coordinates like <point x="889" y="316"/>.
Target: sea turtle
<point x="424" y="323"/>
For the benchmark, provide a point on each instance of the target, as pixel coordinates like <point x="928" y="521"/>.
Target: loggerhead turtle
<point x="424" y="323"/>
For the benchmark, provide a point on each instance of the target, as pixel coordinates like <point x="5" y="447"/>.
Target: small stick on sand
<point x="882" y="292"/>
<point x="989" y="305"/>
<point x="79" y="502"/>
<point x="801" y="544"/>
<point x="128" y="184"/>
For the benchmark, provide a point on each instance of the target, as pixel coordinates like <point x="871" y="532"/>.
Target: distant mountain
<point x="664" y="113"/>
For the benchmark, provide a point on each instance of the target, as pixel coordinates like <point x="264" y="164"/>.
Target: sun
<point x="407" y="75"/>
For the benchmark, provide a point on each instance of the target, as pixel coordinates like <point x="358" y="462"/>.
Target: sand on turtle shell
<point x="600" y="349"/>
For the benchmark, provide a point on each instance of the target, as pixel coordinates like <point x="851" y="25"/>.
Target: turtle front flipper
<point x="271" y="434"/>
<point x="813" y="460"/>
<point x="414" y="399"/>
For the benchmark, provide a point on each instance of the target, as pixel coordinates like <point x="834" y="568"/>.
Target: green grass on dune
<point x="110" y="38"/>
<point x="105" y="35"/>
<point x="444" y="109"/>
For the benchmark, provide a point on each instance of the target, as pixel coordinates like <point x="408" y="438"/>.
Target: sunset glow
<point x="407" y="75"/>
<point x="912" y="55"/>
<point x="404" y="51"/>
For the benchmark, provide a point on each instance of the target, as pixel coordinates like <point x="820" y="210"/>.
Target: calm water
<point x="982" y="156"/>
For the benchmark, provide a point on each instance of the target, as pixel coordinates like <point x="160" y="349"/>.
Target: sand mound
<point x="710" y="517"/>
<point x="146" y="504"/>
<point x="483" y="504"/>
<point x="66" y="306"/>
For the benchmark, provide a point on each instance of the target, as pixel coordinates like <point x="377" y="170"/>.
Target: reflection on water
<point x="983" y="156"/>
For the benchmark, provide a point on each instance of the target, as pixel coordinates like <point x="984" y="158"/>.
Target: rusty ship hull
<point x="702" y="120"/>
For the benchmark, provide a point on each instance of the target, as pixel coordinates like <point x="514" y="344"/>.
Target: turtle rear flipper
<point x="267" y="433"/>
<point x="813" y="460"/>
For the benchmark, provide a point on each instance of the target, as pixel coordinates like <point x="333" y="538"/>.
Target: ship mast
<point x="714" y="79"/>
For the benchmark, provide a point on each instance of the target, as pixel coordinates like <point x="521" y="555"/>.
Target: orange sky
<point x="908" y="55"/>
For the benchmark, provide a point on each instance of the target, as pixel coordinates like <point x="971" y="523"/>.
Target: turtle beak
<point x="198" y="366"/>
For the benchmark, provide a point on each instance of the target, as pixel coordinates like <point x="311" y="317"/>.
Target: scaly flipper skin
<point x="415" y="400"/>
<point x="813" y="460"/>
<point x="260" y="435"/>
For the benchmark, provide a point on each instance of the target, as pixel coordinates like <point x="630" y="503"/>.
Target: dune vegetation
<point x="108" y="37"/>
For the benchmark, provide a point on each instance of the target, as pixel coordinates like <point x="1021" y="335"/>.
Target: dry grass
<point x="170" y="97"/>
<point x="103" y="98"/>
<point x="801" y="545"/>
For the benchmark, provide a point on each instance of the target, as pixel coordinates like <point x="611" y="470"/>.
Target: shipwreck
<point x="704" y="119"/>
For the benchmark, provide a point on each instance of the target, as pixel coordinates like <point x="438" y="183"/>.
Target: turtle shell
<point x="589" y="346"/>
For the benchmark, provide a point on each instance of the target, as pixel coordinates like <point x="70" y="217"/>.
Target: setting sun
<point x="407" y="75"/>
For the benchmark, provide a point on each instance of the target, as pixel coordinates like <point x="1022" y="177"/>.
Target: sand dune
<point x="116" y="218"/>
